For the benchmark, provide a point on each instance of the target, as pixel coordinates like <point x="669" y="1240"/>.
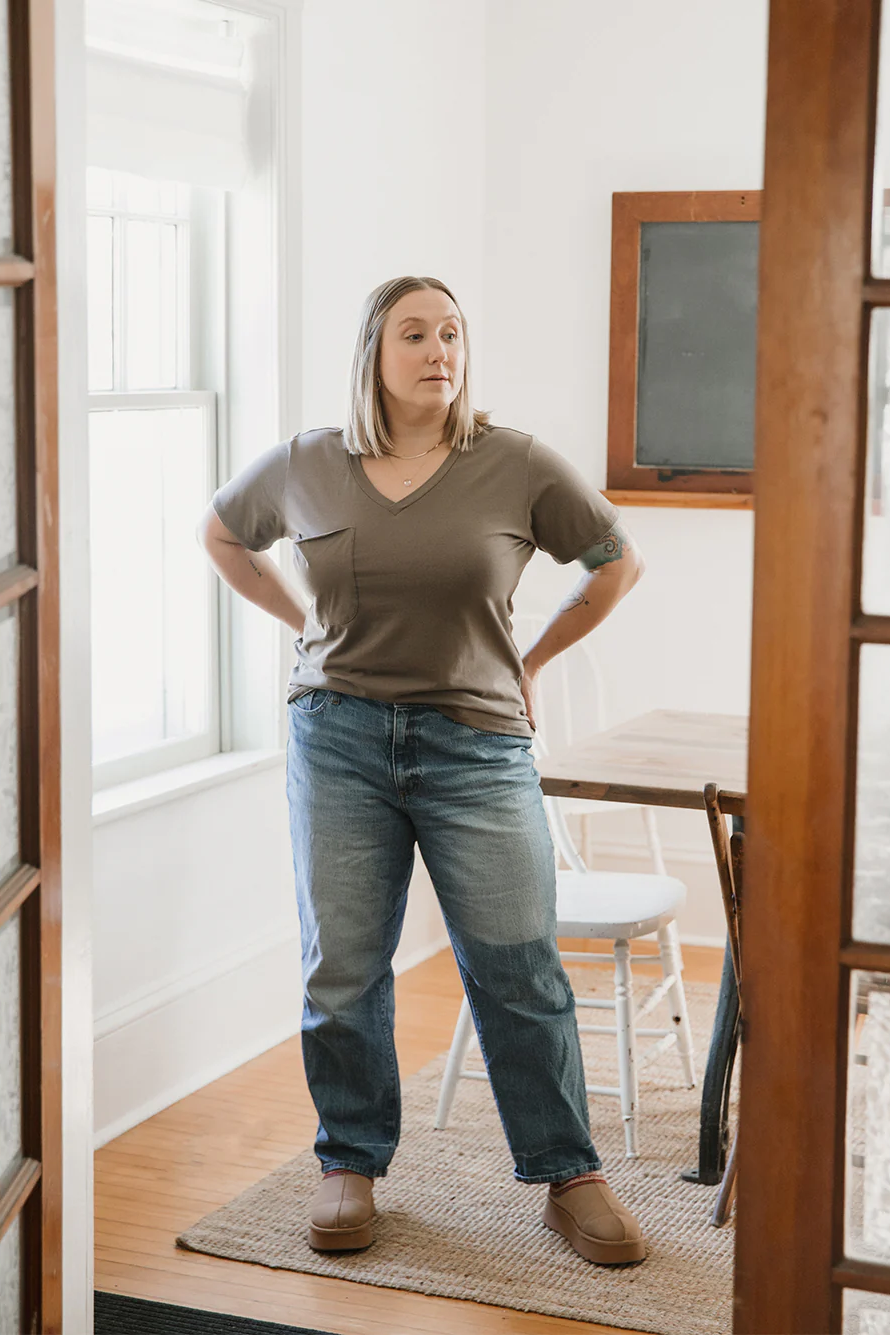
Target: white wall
<point x="583" y="99"/>
<point x="480" y="144"/>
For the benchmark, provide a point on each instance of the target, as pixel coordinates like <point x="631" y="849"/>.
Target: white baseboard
<point x="715" y="942"/>
<point x="163" y="1043"/>
<point x="137" y="1005"/>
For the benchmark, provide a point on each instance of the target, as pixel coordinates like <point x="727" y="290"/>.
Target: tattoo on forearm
<point x="575" y="599"/>
<point x="255" y="567"/>
<point x="611" y="547"/>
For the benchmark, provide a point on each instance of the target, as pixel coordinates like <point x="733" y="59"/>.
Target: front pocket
<point x="327" y="562"/>
<point x="312" y="701"/>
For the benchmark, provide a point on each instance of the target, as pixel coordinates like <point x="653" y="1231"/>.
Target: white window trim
<point x="126" y="799"/>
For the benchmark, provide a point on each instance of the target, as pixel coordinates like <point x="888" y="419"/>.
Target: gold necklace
<point x="407" y="481"/>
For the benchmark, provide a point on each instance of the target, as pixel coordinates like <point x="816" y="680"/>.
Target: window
<point x="152" y="344"/>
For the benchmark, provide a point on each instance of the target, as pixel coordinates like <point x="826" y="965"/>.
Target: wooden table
<point x="664" y="759"/>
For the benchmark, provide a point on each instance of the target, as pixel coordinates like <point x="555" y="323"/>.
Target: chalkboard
<point x="697" y="345"/>
<point x="683" y="347"/>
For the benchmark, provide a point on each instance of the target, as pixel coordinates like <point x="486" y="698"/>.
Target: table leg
<point x="714" y="1123"/>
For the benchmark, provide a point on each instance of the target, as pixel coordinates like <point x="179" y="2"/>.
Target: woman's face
<point x="422" y="337"/>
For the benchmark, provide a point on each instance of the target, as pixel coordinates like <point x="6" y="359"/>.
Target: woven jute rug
<point x="452" y="1220"/>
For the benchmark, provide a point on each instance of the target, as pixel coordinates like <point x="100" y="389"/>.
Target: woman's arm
<point x="252" y="574"/>
<point x="613" y="566"/>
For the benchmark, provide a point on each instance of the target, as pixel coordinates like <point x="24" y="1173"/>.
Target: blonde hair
<point x="365" y="431"/>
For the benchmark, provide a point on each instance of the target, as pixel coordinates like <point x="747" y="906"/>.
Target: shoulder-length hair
<point x="365" y="431"/>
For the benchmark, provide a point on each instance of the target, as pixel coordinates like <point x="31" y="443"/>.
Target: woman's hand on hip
<point x="528" y="686"/>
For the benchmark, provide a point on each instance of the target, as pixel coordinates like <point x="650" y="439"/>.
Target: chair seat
<point x="615" y="905"/>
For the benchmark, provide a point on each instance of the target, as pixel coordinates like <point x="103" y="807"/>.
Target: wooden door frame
<point x="32" y="1189"/>
<point x="815" y="301"/>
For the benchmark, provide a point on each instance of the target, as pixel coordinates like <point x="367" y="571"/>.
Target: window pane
<point x="867" y="1177"/>
<point x="11" y="1277"/>
<point x="100" y="303"/>
<point x="150" y="278"/>
<point x="876" y="515"/>
<point x="10" y="1044"/>
<point x="9" y="742"/>
<point x="150" y="584"/>
<point x="871" y="865"/>
<point x="866" y="1313"/>
<point x="8" y="536"/>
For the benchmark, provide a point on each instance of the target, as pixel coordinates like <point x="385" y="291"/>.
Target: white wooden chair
<point x="573" y="676"/>
<point x="616" y="906"/>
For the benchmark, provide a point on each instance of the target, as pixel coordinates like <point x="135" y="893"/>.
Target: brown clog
<point x="589" y="1214"/>
<point x="341" y="1212"/>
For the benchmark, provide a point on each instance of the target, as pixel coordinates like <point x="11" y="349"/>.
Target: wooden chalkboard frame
<point x="627" y="483"/>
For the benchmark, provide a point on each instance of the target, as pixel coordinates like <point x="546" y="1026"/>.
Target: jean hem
<point x="562" y="1176"/>
<point x="352" y="1168"/>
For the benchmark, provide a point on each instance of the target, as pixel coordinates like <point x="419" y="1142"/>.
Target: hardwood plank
<point x="163" y="1175"/>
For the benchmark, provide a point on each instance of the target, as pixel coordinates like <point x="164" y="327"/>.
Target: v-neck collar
<point x="367" y="486"/>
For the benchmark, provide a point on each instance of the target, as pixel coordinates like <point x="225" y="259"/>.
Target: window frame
<point x="198" y="360"/>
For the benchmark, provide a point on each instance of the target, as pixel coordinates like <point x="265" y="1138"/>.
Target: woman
<point x="411" y="715"/>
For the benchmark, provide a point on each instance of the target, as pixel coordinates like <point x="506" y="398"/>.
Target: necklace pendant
<point x="407" y="482"/>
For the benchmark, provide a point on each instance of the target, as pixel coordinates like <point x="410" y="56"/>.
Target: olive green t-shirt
<point x="412" y="598"/>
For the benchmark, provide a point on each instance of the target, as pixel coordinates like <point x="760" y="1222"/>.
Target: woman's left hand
<point x="528" y="685"/>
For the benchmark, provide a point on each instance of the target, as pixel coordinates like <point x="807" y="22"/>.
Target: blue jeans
<point x="365" y="781"/>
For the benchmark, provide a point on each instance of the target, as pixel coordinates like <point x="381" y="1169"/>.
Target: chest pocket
<point x="327" y="563"/>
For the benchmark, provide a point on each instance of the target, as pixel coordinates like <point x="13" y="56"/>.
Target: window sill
<point x="125" y="799"/>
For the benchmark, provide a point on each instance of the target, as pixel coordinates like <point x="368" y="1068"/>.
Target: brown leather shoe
<point x="598" y="1226"/>
<point x="341" y="1212"/>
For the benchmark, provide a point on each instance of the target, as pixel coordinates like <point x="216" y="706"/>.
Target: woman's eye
<point x="452" y="332"/>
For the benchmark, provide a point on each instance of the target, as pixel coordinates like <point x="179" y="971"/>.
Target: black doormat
<point x="118" y="1314"/>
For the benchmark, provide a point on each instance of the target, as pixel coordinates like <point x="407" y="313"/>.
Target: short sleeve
<point x="251" y="504"/>
<point x="566" y="514"/>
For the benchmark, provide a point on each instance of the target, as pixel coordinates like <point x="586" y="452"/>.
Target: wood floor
<point x="163" y="1175"/>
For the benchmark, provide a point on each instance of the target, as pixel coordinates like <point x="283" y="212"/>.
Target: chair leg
<point x="627" y="1070"/>
<point x="463" y="1034"/>
<point x="586" y="848"/>
<point x="653" y="840"/>
<point x="672" y="963"/>
<point x="727" y="1188"/>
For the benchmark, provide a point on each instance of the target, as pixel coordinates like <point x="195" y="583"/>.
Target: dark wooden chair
<point x="729" y="855"/>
